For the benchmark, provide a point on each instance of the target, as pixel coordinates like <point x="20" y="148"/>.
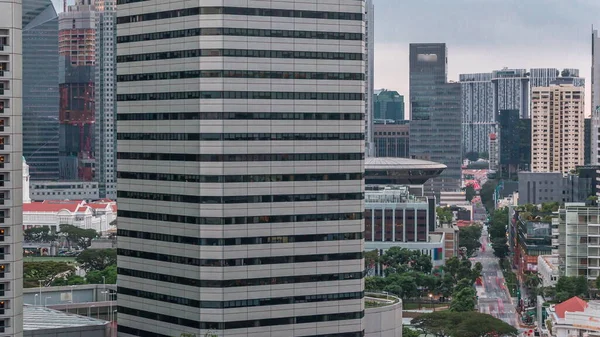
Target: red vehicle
<point x="479" y="281"/>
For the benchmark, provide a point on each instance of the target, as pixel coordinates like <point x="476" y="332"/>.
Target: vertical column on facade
<point x="394" y="224"/>
<point x="382" y="223"/>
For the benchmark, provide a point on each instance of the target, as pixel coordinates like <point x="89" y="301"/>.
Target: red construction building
<point x="77" y="52"/>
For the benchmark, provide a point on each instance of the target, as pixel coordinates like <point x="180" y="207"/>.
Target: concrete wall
<point x="62" y="295"/>
<point x="384" y="321"/>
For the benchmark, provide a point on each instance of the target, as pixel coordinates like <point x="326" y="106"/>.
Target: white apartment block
<point x="11" y="166"/>
<point x="557" y="128"/>
<point x="241" y="160"/>
<point x="106" y="92"/>
<point x="579" y="240"/>
<point x="63" y="190"/>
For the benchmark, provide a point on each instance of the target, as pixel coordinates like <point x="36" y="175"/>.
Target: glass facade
<point x="388" y="105"/>
<point x="436" y="117"/>
<point x="40" y="89"/>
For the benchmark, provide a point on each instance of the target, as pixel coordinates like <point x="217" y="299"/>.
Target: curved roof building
<point x="400" y="171"/>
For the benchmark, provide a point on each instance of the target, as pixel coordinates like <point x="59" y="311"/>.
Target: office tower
<point x="514" y="142"/>
<point x="511" y="90"/>
<point x="557" y="128"/>
<point x="388" y="104"/>
<point x="106" y="146"/>
<point x="477" y="111"/>
<point x="11" y="166"/>
<point x="595" y="108"/>
<point x="391" y="139"/>
<point x="370" y="74"/>
<point x="436" y="123"/>
<point x="77" y="57"/>
<point x="240" y="176"/>
<point x="40" y="88"/>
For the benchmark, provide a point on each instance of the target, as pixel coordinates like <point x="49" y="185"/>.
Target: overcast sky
<point x="484" y="35"/>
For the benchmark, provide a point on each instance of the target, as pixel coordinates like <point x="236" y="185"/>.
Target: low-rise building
<point x="547" y="269"/>
<point x="383" y="315"/>
<point x="534" y="238"/>
<point x="63" y="190"/>
<point x="39" y="321"/>
<point x="540" y="187"/>
<point x="573" y="318"/>
<point x="98" y="215"/>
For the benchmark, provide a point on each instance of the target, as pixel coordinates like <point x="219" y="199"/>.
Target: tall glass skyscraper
<point x="40" y="89"/>
<point x="241" y="160"/>
<point x="436" y="119"/>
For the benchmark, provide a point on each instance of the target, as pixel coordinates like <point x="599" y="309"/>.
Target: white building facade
<point x="97" y="216"/>
<point x="106" y="90"/>
<point x="64" y="190"/>
<point x="478" y="115"/>
<point x="11" y="166"/>
<point x="241" y="160"/>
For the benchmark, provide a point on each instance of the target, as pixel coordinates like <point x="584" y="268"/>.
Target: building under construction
<point x="77" y="49"/>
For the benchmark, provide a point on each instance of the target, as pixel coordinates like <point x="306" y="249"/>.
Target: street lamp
<point x="431" y="299"/>
<point x="46" y="301"/>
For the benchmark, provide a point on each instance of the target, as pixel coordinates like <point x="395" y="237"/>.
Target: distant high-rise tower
<point x="511" y="91"/>
<point x="11" y="166"/>
<point x="105" y="135"/>
<point x="240" y="176"/>
<point x="40" y="88"/>
<point x="595" y="109"/>
<point x="477" y="111"/>
<point x="77" y="57"/>
<point x="389" y="105"/>
<point x="436" y="123"/>
<point x="370" y="75"/>
<point x="557" y="131"/>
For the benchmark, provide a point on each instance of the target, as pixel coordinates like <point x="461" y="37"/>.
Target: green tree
<point x="464" y="300"/>
<point x="373" y="283"/>
<point x="97" y="259"/>
<point x="500" y="247"/>
<point x="438" y="323"/>
<point x="470" y="192"/>
<point x="408" y="332"/>
<point x="76" y="236"/>
<point x="402" y="259"/>
<point x="68" y="281"/>
<point x="468" y="237"/>
<point x="487" y="194"/>
<point x="451" y="268"/>
<point x="571" y="286"/>
<point x="444" y="214"/>
<point x="371" y="258"/>
<point x="472" y="156"/>
<point x="597" y="283"/>
<point x="445" y="286"/>
<point x="110" y="276"/>
<point x="482" y="325"/>
<point x="457" y="324"/>
<point x="549" y="207"/>
<point x="46" y="271"/>
<point x="39" y="234"/>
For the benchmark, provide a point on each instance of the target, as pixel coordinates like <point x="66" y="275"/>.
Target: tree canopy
<point x="402" y="259"/>
<point x="39" y="234"/>
<point x="97" y="259"/>
<point x="468" y="237"/>
<point x="76" y="236"/>
<point x="470" y="192"/>
<point x="457" y="324"/>
<point x="570" y="286"/>
<point x="46" y="271"/>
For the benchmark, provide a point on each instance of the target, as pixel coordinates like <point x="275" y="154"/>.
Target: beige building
<point x="557" y="128"/>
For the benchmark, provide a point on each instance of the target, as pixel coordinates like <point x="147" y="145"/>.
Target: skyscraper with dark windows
<point x="40" y="89"/>
<point x="240" y="176"/>
<point x="436" y="120"/>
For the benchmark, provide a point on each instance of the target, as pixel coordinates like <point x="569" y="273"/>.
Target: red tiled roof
<point x="104" y="200"/>
<point x="574" y="304"/>
<point x="52" y="206"/>
<point x="98" y="206"/>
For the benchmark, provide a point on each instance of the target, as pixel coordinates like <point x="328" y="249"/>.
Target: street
<point x="494" y="298"/>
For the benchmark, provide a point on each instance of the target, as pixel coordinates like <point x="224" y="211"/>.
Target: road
<point x="493" y="295"/>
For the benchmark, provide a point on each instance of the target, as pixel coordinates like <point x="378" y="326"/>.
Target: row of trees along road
<point x="99" y="265"/>
<point x="72" y="235"/>
<point x="408" y="275"/>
